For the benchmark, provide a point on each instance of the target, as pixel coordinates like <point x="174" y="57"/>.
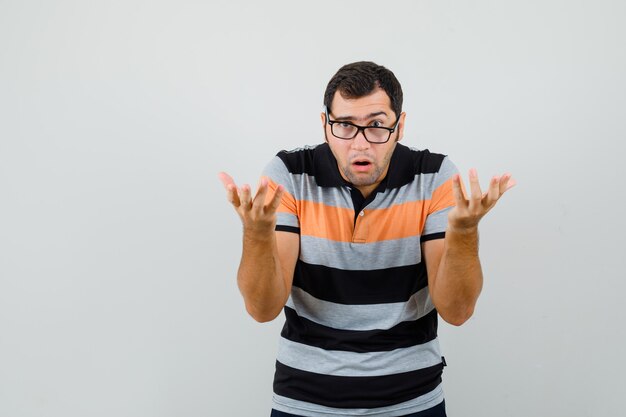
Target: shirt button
<point x="362" y="214"/>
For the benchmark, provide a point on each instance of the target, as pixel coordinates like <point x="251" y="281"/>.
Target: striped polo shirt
<point x="360" y="336"/>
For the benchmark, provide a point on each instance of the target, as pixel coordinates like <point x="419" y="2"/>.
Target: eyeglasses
<point x="372" y="134"/>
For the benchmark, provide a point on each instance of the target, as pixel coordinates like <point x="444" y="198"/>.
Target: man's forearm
<point x="459" y="279"/>
<point x="260" y="278"/>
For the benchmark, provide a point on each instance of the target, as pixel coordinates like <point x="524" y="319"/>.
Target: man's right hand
<point x="257" y="215"/>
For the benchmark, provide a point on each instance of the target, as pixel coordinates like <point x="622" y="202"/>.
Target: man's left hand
<point x="468" y="212"/>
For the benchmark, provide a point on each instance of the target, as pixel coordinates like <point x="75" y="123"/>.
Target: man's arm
<point x="455" y="276"/>
<point x="268" y="258"/>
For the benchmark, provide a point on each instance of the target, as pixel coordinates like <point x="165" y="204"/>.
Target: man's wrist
<point x="462" y="242"/>
<point x="462" y="230"/>
<point x="259" y="236"/>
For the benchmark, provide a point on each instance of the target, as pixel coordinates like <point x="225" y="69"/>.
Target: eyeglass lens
<point x="348" y="131"/>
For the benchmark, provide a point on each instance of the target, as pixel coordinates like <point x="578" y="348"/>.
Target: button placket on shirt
<point x="360" y="228"/>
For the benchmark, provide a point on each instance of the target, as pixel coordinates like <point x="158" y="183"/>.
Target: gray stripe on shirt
<point x="368" y="256"/>
<point x="287" y="219"/>
<point x="344" y="363"/>
<point x="420" y="188"/>
<point x="359" y="317"/>
<point x="437" y="222"/>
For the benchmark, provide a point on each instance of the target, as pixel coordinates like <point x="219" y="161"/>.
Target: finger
<point x="492" y="195"/>
<point x="245" y="196"/>
<point x="457" y="191"/>
<point x="512" y="183"/>
<point x="259" y="198"/>
<point x="226" y="179"/>
<point x="232" y="195"/>
<point x="476" y="193"/>
<point x="231" y="188"/>
<point x="506" y="182"/>
<point x="275" y="202"/>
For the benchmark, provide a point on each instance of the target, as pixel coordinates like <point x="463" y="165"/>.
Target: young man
<point x="362" y="242"/>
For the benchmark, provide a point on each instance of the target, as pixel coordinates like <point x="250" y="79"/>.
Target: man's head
<point x="363" y="121"/>
<point x="362" y="78"/>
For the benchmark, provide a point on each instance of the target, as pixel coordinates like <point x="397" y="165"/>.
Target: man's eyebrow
<point x="367" y="117"/>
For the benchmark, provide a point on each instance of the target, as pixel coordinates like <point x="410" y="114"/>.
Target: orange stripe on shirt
<point x="320" y="220"/>
<point x="442" y="197"/>
<point x="337" y="224"/>
<point x="287" y="201"/>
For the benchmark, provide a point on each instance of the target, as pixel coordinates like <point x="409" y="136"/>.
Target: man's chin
<point x="361" y="180"/>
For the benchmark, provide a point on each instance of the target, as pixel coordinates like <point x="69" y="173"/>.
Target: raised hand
<point x="257" y="215"/>
<point x="468" y="212"/>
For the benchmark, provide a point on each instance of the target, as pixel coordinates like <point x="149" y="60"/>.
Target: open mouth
<point x="361" y="164"/>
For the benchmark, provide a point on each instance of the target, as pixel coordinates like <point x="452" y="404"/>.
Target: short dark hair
<point x="359" y="79"/>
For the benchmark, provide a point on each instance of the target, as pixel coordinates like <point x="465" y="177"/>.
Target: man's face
<point x="362" y="163"/>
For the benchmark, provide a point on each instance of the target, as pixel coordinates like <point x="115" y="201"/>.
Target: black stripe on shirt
<point x="405" y="334"/>
<point x="319" y="162"/>
<point x="433" y="236"/>
<point x="379" y="286"/>
<point x="291" y="229"/>
<point x="355" y="392"/>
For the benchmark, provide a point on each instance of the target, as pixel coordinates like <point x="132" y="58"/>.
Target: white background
<point x="118" y="250"/>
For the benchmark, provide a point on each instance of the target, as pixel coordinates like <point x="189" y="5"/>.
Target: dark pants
<point x="436" y="411"/>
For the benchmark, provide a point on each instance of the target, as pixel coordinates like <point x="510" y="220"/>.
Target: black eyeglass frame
<point x="360" y="128"/>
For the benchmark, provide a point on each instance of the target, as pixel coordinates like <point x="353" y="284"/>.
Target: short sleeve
<point x="441" y="202"/>
<point x="287" y="212"/>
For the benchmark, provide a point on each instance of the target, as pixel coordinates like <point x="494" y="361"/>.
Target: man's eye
<point x="376" y="123"/>
<point x="345" y="125"/>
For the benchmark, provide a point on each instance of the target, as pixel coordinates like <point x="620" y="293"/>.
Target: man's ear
<point x="401" y="127"/>
<point x="323" y="117"/>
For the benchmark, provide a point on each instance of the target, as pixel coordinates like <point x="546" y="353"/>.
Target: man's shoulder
<point x="303" y="160"/>
<point x="420" y="161"/>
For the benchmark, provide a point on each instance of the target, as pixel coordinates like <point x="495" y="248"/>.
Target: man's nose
<point x="359" y="141"/>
